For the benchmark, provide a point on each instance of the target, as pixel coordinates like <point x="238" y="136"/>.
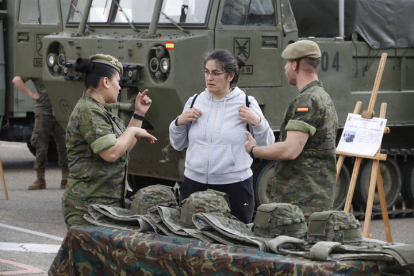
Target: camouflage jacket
<point x="309" y="180"/>
<point x="42" y="105"/>
<point x="92" y="128"/>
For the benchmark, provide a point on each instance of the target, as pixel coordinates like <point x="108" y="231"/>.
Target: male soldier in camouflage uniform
<point x="305" y="171"/>
<point x="45" y="124"/>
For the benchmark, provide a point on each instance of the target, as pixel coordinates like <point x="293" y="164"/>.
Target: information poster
<point x="362" y="136"/>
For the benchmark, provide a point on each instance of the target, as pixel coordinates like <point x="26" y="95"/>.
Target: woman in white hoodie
<point x="212" y="127"/>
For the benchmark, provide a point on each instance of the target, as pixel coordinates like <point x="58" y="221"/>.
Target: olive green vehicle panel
<point x="348" y="70"/>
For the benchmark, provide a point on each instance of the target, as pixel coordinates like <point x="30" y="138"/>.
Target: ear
<point x="105" y="82"/>
<point x="230" y="77"/>
<point x="294" y="65"/>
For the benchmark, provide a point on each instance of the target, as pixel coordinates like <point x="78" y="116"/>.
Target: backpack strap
<point x="248" y="104"/>
<point x="194" y="99"/>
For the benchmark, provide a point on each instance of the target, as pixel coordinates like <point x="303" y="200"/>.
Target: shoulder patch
<point x="302" y="109"/>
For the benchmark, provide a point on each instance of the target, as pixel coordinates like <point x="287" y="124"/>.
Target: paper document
<point x="362" y="136"/>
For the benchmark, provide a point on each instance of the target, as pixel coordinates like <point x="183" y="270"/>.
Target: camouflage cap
<point x="154" y="195"/>
<point x="107" y="59"/>
<point x="209" y="201"/>
<point x="301" y="49"/>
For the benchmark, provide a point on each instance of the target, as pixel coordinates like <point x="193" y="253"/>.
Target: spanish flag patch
<point x="169" y="45"/>
<point x="302" y="109"/>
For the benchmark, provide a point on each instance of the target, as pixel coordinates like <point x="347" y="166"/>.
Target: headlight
<point x="51" y="60"/>
<point x="165" y="65"/>
<point x="154" y="64"/>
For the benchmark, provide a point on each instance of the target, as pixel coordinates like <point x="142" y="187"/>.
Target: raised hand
<point x="190" y="115"/>
<point x="142" y="133"/>
<point x="248" y="116"/>
<point x="142" y="103"/>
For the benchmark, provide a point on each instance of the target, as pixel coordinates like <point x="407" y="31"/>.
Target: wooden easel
<point x="6" y="194"/>
<point x="376" y="177"/>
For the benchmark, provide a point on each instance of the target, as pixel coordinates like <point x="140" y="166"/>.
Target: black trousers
<point x="241" y="195"/>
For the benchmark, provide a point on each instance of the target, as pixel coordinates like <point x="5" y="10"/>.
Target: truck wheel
<point x="407" y="191"/>
<point x="52" y="154"/>
<point x="392" y="182"/>
<point x="262" y="182"/>
<point x="341" y="189"/>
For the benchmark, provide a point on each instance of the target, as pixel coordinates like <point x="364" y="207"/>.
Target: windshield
<point x="43" y="12"/>
<point x="140" y="12"/>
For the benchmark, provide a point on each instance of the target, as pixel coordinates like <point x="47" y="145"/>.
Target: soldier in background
<point x="305" y="171"/>
<point x="45" y="125"/>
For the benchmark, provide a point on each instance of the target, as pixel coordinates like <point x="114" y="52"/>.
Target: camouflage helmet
<point x="275" y="219"/>
<point x="209" y="201"/>
<point x="337" y="226"/>
<point x="151" y="196"/>
<point x="302" y="49"/>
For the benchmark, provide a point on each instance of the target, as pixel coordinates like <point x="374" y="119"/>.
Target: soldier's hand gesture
<point x="142" y="103"/>
<point x="250" y="142"/>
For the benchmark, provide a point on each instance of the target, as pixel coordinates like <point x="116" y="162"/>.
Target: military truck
<point x="16" y="109"/>
<point x="161" y="44"/>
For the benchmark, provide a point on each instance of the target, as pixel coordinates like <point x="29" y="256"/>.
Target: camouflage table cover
<point x="91" y="250"/>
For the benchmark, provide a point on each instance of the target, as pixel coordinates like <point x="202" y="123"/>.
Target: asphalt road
<point x="32" y="226"/>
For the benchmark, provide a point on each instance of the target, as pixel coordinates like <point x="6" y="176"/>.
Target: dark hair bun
<point x="83" y="65"/>
<point x="240" y="61"/>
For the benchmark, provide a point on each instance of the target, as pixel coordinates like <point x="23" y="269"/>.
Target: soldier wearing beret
<point x="305" y="171"/>
<point x="98" y="143"/>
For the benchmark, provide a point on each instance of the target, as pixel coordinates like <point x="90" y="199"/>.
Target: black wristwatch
<point x="139" y="117"/>
<point x="251" y="152"/>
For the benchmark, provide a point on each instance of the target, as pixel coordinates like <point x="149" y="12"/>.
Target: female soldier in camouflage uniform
<point x="97" y="141"/>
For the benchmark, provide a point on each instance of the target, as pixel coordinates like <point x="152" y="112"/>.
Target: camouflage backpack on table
<point x="209" y="201"/>
<point x="151" y="196"/>
<point x="275" y="219"/>
<point x="337" y="226"/>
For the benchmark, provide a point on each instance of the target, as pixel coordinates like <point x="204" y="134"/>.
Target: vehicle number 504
<point x="325" y="62"/>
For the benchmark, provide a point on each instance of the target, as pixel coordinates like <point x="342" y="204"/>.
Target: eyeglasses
<point x="214" y="74"/>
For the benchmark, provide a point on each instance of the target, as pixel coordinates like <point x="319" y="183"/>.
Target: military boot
<point x="40" y="182"/>
<point x="64" y="181"/>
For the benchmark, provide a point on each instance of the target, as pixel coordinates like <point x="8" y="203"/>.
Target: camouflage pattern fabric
<point x="231" y="228"/>
<point x="46" y="125"/>
<point x="119" y="218"/>
<point x="337" y="226"/>
<point x="154" y="195"/>
<point x="43" y="104"/>
<point x="91" y="129"/>
<point x="171" y="218"/>
<point x="275" y="219"/>
<point x="209" y="201"/>
<point x="156" y="219"/>
<point x="400" y="257"/>
<point x="309" y="180"/>
<point x="91" y="250"/>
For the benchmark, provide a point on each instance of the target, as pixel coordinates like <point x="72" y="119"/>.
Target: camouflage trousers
<point x="73" y="216"/>
<point x="45" y="126"/>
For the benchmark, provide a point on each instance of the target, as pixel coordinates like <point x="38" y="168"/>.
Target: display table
<point x="91" y="250"/>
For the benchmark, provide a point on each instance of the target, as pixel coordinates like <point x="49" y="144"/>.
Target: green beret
<point x="107" y="59"/>
<point x="301" y="49"/>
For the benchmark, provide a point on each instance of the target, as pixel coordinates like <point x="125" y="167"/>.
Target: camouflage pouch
<point x="209" y="201"/>
<point x="275" y="219"/>
<point x="151" y="196"/>
<point x="336" y="226"/>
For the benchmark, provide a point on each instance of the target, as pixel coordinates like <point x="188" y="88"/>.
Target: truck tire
<point x="407" y="191"/>
<point x="262" y="180"/>
<point x="392" y="182"/>
<point x="341" y="189"/>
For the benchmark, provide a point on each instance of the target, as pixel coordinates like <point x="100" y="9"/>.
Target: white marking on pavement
<point x="29" y="247"/>
<point x="32" y="232"/>
<point x="27" y="268"/>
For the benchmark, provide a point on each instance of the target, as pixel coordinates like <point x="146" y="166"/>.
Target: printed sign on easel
<point x="362" y="136"/>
